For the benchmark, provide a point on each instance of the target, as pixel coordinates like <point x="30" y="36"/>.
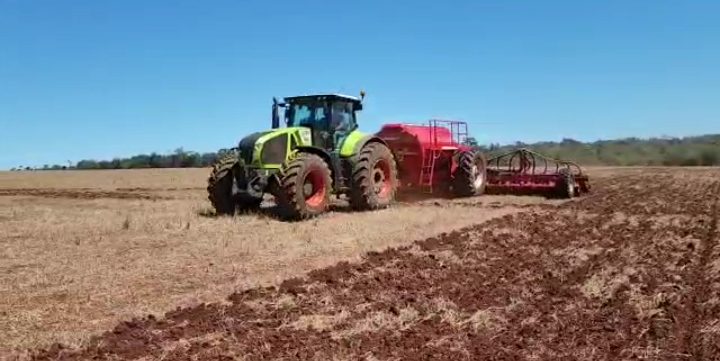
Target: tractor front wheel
<point x="374" y="182"/>
<point x="470" y="176"/>
<point x="304" y="187"/>
<point x="221" y="184"/>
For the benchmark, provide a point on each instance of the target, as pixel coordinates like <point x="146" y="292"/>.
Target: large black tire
<point x="220" y="187"/>
<point x="374" y="178"/>
<point x="304" y="187"/>
<point x="566" y="186"/>
<point x="470" y="176"/>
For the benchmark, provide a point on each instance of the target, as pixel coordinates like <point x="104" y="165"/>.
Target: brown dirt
<point x="629" y="272"/>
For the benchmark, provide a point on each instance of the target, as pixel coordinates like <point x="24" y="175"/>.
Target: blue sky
<point x="99" y="79"/>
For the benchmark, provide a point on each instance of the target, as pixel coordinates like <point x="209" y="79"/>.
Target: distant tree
<point x="154" y="160"/>
<point x="208" y="159"/>
<point x="710" y="157"/>
<point x="570" y="141"/>
<point x="190" y="160"/>
<point x="471" y="142"/>
<point x="87" y="164"/>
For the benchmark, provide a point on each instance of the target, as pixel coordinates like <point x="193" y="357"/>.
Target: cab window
<point x="308" y="115"/>
<point x="342" y="116"/>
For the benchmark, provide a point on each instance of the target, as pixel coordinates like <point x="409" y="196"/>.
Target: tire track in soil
<point x="690" y="345"/>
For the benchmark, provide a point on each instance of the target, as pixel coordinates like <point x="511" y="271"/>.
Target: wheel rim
<point x="314" y="189"/>
<point x="381" y="178"/>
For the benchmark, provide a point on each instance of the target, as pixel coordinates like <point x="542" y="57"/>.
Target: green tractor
<point x="320" y="153"/>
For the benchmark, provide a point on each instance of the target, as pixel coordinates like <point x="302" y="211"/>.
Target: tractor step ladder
<point x="430" y="155"/>
<point x="427" y="173"/>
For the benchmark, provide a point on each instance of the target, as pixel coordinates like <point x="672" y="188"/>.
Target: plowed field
<point x="631" y="271"/>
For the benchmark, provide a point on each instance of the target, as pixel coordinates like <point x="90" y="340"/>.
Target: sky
<point x="102" y="79"/>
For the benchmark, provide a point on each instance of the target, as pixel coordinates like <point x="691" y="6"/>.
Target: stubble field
<point x="631" y="271"/>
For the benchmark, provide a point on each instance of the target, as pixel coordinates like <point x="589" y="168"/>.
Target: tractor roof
<point x="330" y="97"/>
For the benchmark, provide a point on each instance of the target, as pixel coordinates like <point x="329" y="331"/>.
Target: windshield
<point x="313" y="115"/>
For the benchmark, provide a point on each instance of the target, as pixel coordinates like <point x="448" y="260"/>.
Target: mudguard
<point x="356" y="141"/>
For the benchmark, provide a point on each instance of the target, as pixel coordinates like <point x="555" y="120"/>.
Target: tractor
<point x="319" y="153"/>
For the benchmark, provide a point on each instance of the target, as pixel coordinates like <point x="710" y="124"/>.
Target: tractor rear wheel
<point x="304" y="187"/>
<point x="374" y="178"/>
<point x="470" y="176"/>
<point x="221" y="184"/>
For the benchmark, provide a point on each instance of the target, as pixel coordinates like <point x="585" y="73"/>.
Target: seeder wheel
<point x="470" y="176"/>
<point x="567" y="187"/>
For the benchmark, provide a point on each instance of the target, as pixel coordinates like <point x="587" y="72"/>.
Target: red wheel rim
<point x="382" y="179"/>
<point x="316" y="196"/>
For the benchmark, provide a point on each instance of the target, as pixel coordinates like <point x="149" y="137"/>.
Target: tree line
<point x="687" y="151"/>
<point x="180" y="158"/>
<point x="701" y="150"/>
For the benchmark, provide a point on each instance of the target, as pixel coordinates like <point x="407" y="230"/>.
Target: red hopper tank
<point x="424" y="152"/>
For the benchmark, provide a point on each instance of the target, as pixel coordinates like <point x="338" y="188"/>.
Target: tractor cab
<point x="318" y="154"/>
<point x="330" y="117"/>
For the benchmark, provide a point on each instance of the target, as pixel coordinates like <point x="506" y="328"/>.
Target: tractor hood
<point x="269" y="149"/>
<point x="247" y="145"/>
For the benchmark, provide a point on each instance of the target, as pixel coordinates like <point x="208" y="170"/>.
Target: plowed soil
<point x="631" y="271"/>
